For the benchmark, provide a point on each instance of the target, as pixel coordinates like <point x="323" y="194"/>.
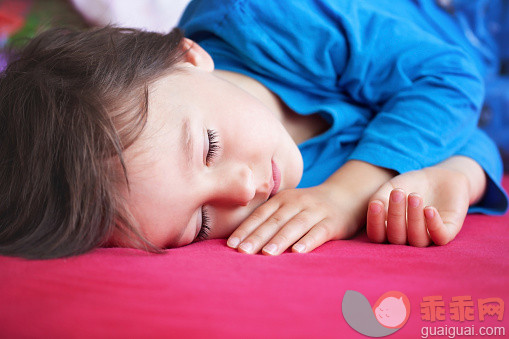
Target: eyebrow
<point x="186" y="141"/>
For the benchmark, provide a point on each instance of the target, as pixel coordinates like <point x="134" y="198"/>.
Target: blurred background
<point x="22" y="19"/>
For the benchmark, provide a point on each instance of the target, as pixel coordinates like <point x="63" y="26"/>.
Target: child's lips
<point x="276" y="179"/>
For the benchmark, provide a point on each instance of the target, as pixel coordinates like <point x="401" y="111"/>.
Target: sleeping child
<point x="274" y="124"/>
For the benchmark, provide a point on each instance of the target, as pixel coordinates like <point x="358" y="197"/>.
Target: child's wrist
<point x="360" y="176"/>
<point x="356" y="182"/>
<point x="473" y="172"/>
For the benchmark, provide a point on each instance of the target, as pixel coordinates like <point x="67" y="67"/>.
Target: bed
<point x="209" y="290"/>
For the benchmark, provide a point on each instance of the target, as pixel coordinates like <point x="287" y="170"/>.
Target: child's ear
<point x="197" y="56"/>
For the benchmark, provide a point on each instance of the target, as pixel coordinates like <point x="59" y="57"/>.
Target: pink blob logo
<point x="387" y="316"/>
<point x="392" y="309"/>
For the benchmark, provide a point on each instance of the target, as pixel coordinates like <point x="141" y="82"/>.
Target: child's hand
<point x="311" y="215"/>
<point x="400" y="219"/>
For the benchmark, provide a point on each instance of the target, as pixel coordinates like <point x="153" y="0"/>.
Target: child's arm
<point x="335" y="209"/>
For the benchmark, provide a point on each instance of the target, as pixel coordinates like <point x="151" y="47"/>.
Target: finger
<point x="438" y="231"/>
<point x="396" y="217"/>
<point x="375" y="222"/>
<point x="264" y="232"/>
<point x="292" y="231"/>
<point x="255" y="219"/>
<point x="317" y="235"/>
<point x="416" y="225"/>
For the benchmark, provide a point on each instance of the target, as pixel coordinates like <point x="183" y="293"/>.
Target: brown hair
<point x="70" y="103"/>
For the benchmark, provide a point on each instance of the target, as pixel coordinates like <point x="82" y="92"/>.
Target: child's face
<point x="176" y="171"/>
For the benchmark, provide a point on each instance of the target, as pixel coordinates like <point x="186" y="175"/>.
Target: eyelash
<point x="205" y="227"/>
<point x="213" y="145"/>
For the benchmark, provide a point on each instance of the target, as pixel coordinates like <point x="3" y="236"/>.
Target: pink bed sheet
<point x="208" y="290"/>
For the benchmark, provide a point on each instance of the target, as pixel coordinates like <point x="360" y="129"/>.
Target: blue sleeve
<point x="426" y="95"/>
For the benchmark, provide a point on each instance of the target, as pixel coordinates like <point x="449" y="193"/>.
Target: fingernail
<point x="233" y="242"/>
<point x="246" y="247"/>
<point x="397" y="196"/>
<point x="270" y="249"/>
<point x="429" y="213"/>
<point x="375" y="208"/>
<point x="299" y="248"/>
<point x="413" y="200"/>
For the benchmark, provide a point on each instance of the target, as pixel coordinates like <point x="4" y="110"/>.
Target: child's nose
<point x="236" y="185"/>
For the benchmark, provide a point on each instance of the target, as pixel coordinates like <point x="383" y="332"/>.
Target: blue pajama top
<point x="400" y="85"/>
